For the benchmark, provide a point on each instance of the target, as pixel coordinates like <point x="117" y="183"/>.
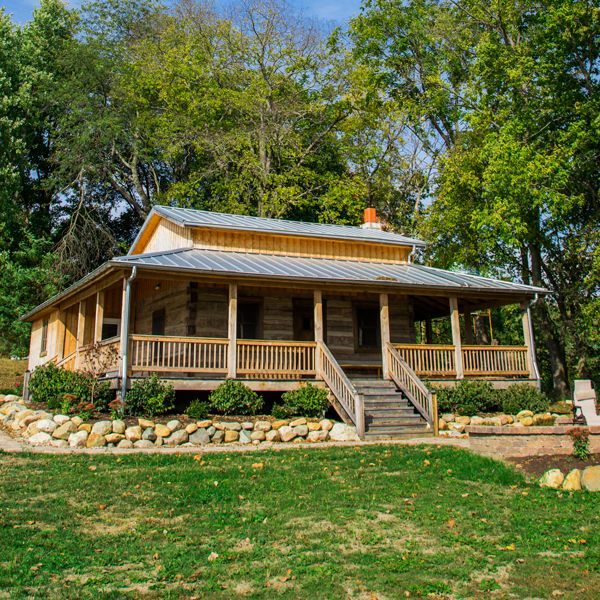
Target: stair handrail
<point x="411" y="385"/>
<point x="329" y="370"/>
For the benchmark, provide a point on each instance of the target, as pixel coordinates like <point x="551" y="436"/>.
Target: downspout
<point x="125" y="332"/>
<point x="412" y="254"/>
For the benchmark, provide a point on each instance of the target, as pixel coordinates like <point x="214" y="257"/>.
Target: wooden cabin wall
<point x="402" y="324"/>
<point x="166" y="236"/>
<point x="36" y="358"/>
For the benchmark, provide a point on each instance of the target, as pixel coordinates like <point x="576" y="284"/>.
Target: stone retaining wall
<point x="526" y="441"/>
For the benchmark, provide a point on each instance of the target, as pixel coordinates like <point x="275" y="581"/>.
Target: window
<point x="367" y="330"/>
<point x="158" y="322"/>
<point x="44" y="340"/>
<point x="111" y="328"/>
<point x="249" y="326"/>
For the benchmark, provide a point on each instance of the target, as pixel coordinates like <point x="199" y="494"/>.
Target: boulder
<point x="204" y="424"/>
<point x="44" y="426"/>
<point x="218" y="436"/>
<point x="258" y="436"/>
<point x="462" y="420"/>
<point x="553" y="478"/>
<point x="526" y="421"/>
<point x="296" y="422"/>
<point x="143" y="444"/>
<point x="33" y="417"/>
<point x="314" y="426"/>
<point x="326" y="425"/>
<point x="162" y="430"/>
<point x="456" y="426"/>
<point x="60" y="419"/>
<point x="159" y="442"/>
<point x="210" y="430"/>
<point x="572" y="482"/>
<point x="545" y="419"/>
<point x="84" y="427"/>
<point x="133" y="433"/>
<point x="286" y="433"/>
<point x="523" y="414"/>
<point x="11" y="398"/>
<point x="278" y="424"/>
<point x="343" y="433"/>
<point x="118" y="426"/>
<point x="232" y="426"/>
<point x="149" y="434"/>
<point x="55" y="443"/>
<point x="62" y="432"/>
<point x="174" y="425"/>
<point x="77" y="420"/>
<point x="317" y="436"/>
<point x="114" y="438"/>
<point x="442" y="425"/>
<point x="262" y="426"/>
<point x="231" y="435"/>
<point x="179" y="436"/>
<point x="78" y="439"/>
<point x="477" y="420"/>
<point x="590" y="479"/>
<point x="40" y="439"/>
<point x="102" y="427"/>
<point x="245" y="436"/>
<point x="248" y="425"/>
<point x="273" y="435"/>
<point x="448" y="417"/>
<point x="145" y="423"/>
<point x="191" y="427"/>
<point x="95" y="440"/>
<point x="218" y="425"/>
<point x="301" y="430"/>
<point x="125" y="444"/>
<point x="200" y="437"/>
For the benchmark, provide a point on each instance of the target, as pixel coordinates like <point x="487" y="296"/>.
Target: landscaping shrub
<point x="149" y="397"/>
<point x="306" y="401"/>
<point x="581" y="442"/>
<point x="234" y="398"/>
<point x="523" y="397"/>
<point x="59" y="388"/>
<point x="198" y="409"/>
<point x="468" y="398"/>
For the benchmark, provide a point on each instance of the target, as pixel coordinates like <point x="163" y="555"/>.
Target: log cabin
<point x="204" y="296"/>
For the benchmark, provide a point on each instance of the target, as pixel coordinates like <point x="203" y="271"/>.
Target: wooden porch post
<point x="232" y="329"/>
<point x="99" y="317"/>
<point x="80" y="331"/>
<point x="469" y="338"/>
<point x="529" y="341"/>
<point x="428" y="332"/>
<point x="384" y="318"/>
<point x="455" y="320"/>
<point x="319" y="333"/>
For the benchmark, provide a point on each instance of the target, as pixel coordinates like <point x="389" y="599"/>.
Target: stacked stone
<point x="42" y="428"/>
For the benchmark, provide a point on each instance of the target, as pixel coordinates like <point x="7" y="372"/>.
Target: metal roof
<point x="319" y="269"/>
<point x="189" y="217"/>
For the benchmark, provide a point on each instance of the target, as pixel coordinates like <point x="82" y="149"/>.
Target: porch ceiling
<point x="400" y="276"/>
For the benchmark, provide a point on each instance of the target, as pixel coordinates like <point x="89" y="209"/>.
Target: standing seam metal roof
<point x="189" y="217"/>
<point x="291" y="267"/>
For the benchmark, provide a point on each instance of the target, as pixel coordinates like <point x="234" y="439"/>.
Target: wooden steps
<point x="388" y="414"/>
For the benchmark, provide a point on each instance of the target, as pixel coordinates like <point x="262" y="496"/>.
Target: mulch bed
<point x="537" y="465"/>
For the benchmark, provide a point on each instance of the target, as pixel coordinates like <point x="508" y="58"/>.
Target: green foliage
<point x="580" y="437"/>
<point x="520" y="397"/>
<point x="198" y="409"/>
<point x="306" y="401"/>
<point x="234" y="398"/>
<point x="468" y="398"/>
<point x="61" y="388"/>
<point x="149" y="397"/>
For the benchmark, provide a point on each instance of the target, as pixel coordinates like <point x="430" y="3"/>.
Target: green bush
<point x="468" y="398"/>
<point x="234" y="398"/>
<point x="149" y="397"/>
<point x="523" y="397"/>
<point x="307" y="401"/>
<point x="50" y="384"/>
<point x="198" y="409"/>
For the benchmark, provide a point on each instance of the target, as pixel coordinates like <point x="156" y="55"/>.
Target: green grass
<point x="368" y="522"/>
<point x="11" y="373"/>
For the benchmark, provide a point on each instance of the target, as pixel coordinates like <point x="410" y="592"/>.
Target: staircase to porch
<point x="389" y="414"/>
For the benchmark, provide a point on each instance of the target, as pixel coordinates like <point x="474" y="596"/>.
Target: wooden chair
<point x="584" y="402"/>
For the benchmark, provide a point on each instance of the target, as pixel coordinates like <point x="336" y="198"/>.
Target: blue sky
<point x="338" y="11"/>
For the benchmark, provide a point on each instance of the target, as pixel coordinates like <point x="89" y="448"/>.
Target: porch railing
<point x="341" y="387"/>
<point x="178" y="354"/>
<point x="275" y="359"/>
<point x="495" y="360"/>
<point x="410" y="384"/>
<point x="436" y="360"/>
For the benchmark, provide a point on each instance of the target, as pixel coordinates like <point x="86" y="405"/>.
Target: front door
<point x="367" y="329"/>
<point x="304" y="320"/>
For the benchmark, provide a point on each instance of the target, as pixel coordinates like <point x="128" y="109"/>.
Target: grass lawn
<point x="372" y="522"/>
<point x="11" y="373"/>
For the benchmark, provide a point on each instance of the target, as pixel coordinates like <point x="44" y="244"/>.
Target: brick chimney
<point x="370" y="220"/>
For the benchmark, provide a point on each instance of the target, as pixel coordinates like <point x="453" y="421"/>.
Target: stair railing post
<point x="434" y="415"/>
<point x="359" y="403"/>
